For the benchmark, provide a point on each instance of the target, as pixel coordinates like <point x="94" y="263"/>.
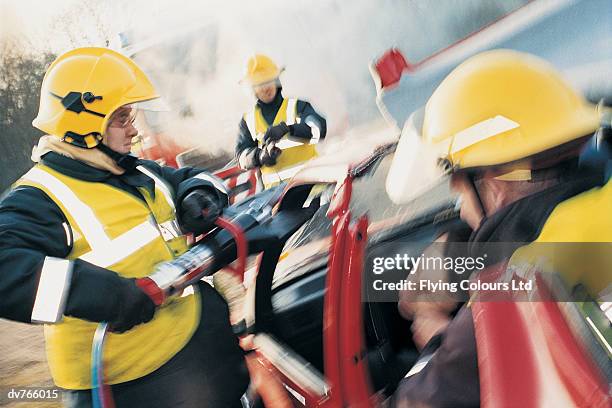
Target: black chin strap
<point x="470" y="178"/>
<point x="125" y="161"/>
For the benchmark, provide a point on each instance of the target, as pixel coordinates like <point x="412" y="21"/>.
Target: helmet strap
<point x="125" y="161"/>
<point x="470" y="177"/>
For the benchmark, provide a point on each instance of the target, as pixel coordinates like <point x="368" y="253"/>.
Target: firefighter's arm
<point x="447" y="376"/>
<point x="31" y="226"/>
<point x="37" y="283"/>
<point x="200" y="201"/>
<point x="312" y="125"/>
<point x="199" y="196"/>
<point x="247" y="152"/>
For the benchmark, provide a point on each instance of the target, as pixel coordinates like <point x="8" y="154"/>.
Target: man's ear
<point x="493" y="194"/>
<point x="471" y="206"/>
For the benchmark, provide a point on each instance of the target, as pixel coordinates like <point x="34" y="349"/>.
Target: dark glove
<point x="301" y="130"/>
<point x="269" y="155"/>
<point x="275" y="133"/>
<point x="101" y="295"/>
<point x="199" y="210"/>
<point x="135" y="308"/>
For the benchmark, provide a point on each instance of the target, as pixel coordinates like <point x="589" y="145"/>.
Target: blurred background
<point x="195" y="52"/>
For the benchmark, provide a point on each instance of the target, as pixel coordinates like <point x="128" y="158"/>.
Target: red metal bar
<point x="356" y="387"/>
<point x="253" y="181"/>
<point x="416" y="66"/>
<point x="338" y="211"/>
<point x="241" y="245"/>
<point x="229" y="172"/>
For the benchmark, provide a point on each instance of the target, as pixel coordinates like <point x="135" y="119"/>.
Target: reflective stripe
<point x="80" y="212"/>
<point x="216" y="182"/>
<point x="68" y="232"/>
<point x="290" y="117"/>
<point x="291" y="111"/>
<point x="419" y="366"/>
<point x="124" y="245"/>
<point x="314" y="128"/>
<point x="243" y="178"/>
<point x="159" y="183"/>
<point x="242" y="157"/>
<point x="104" y="251"/>
<point x="277" y="177"/>
<point x="481" y="131"/>
<point x="287" y="144"/>
<point x="250" y="122"/>
<point x="170" y="230"/>
<point x="52" y="290"/>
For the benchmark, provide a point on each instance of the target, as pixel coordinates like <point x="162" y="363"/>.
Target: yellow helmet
<point x="495" y="109"/>
<point x="501" y="106"/>
<point x="261" y="69"/>
<point x="82" y="88"/>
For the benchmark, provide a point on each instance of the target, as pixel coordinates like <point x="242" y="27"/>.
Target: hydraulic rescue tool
<point x="246" y="228"/>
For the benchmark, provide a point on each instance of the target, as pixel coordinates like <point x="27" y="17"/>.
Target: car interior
<point x="294" y="313"/>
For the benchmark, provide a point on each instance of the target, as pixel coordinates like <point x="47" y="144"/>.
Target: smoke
<point x="195" y="51"/>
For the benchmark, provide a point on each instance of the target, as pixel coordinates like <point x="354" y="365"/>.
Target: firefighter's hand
<point x="269" y="155"/>
<point x="275" y="133"/>
<point x="425" y="326"/>
<point x="100" y="295"/>
<point x="199" y="210"/>
<point x="134" y="307"/>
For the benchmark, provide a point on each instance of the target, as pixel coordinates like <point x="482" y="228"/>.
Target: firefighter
<point x="507" y="130"/>
<point x="89" y="218"/>
<point x="279" y="135"/>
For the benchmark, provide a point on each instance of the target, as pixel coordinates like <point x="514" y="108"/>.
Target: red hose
<point x="241" y="245"/>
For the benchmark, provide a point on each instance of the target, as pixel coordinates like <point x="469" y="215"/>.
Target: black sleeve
<point x="184" y="180"/>
<point x="450" y="378"/>
<point x="174" y="177"/>
<point x="31" y="228"/>
<point x="247" y="152"/>
<point x="308" y="118"/>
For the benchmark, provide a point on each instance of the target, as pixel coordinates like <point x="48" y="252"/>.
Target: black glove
<point x="199" y="210"/>
<point x="135" y="308"/>
<point x="275" y="133"/>
<point x="101" y="295"/>
<point x="301" y="130"/>
<point x="269" y="155"/>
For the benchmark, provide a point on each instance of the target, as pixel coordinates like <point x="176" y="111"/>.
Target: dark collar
<point x="74" y="168"/>
<point x="522" y="221"/>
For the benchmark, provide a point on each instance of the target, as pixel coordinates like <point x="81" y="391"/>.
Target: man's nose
<point x="131" y="131"/>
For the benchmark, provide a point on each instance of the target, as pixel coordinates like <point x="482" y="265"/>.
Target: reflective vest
<point x="541" y="347"/>
<point x="584" y="218"/>
<point x="295" y="154"/>
<point x="115" y="230"/>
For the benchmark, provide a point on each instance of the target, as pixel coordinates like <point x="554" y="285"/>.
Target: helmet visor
<point x="416" y="166"/>
<point x="152" y="105"/>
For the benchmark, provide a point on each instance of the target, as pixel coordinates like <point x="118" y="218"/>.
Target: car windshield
<point x="370" y="197"/>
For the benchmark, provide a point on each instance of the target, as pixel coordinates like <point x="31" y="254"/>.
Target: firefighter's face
<point x="121" y="130"/>
<point x="265" y="92"/>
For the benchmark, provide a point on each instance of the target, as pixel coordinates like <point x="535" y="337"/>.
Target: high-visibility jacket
<point x="295" y="153"/>
<point x="115" y="230"/>
<point x="548" y="350"/>
<point x="575" y="242"/>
